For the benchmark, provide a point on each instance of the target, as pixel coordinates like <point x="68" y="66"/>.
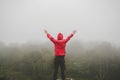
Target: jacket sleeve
<point x="69" y="37"/>
<point x="51" y="38"/>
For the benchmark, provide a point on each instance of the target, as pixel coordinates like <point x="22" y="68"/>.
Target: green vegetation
<point x="100" y="61"/>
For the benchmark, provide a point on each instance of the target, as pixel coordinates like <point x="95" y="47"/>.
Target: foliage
<point x="83" y="61"/>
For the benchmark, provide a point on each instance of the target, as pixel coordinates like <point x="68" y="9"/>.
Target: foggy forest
<point x="84" y="61"/>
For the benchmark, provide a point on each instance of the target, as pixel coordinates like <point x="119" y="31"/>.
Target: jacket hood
<point x="60" y="36"/>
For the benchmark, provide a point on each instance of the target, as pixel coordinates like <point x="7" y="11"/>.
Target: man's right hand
<point x="45" y="31"/>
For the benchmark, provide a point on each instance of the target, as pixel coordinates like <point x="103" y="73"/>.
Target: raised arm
<point x="49" y="36"/>
<point x="70" y="36"/>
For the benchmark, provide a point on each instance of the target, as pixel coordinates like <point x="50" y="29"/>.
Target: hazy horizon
<point x="25" y="20"/>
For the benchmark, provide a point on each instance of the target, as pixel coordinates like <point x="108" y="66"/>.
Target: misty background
<point x="24" y="21"/>
<point x="92" y="54"/>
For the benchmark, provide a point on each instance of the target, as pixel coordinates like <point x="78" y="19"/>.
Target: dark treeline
<point x="93" y="61"/>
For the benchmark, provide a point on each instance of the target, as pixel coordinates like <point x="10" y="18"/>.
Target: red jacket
<point x="59" y="43"/>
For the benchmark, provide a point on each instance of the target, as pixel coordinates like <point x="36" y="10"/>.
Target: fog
<point x="35" y="62"/>
<point x="92" y="54"/>
<point x="25" y="20"/>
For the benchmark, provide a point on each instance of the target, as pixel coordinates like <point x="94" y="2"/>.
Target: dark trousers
<point x="59" y="61"/>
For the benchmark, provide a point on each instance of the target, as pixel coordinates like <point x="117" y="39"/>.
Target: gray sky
<point x="25" y="20"/>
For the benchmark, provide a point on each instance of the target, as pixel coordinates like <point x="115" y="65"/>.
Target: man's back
<point x="60" y="47"/>
<point x="59" y="44"/>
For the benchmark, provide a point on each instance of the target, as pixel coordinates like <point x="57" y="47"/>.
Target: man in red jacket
<point x="60" y="52"/>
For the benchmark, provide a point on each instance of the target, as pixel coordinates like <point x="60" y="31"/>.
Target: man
<point x="60" y="52"/>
